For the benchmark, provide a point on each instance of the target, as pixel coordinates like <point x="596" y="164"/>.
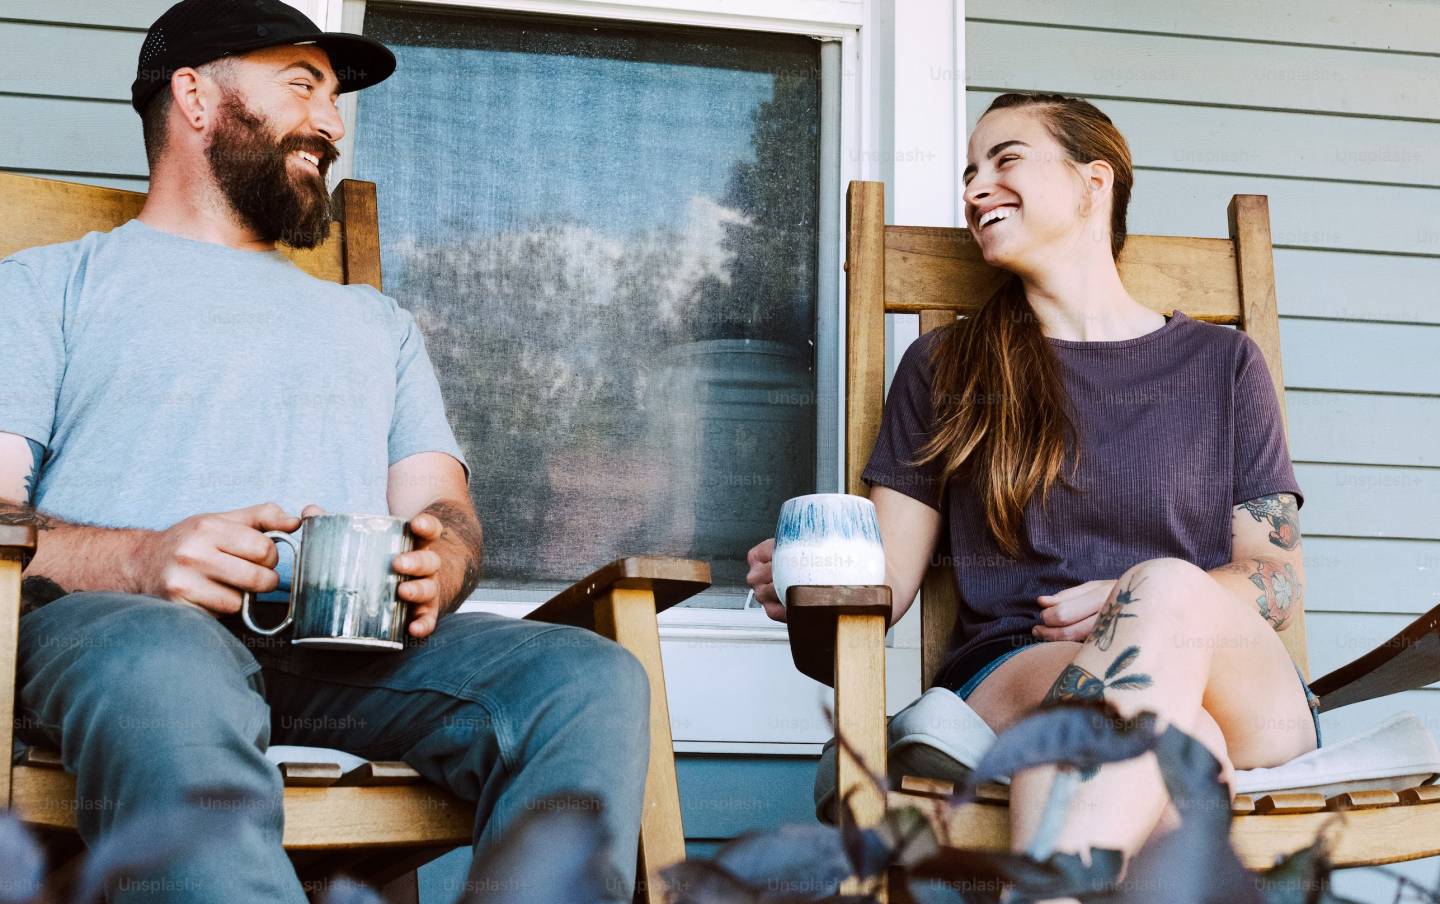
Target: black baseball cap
<point x="193" y="32"/>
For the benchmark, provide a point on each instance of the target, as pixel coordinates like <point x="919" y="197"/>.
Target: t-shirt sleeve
<point x="1262" y="458"/>
<point x="32" y="347"/>
<point x="905" y="427"/>
<point x="419" y="423"/>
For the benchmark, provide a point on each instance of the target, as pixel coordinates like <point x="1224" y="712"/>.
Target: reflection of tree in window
<point x="578" y="354"/>
<point x="769" y="292"/>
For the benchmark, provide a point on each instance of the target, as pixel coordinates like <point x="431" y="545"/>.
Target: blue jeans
<point x="147" y="699"/>
<point x="966" y="689"/>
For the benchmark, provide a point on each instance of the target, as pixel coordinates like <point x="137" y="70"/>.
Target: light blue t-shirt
<point x="166" y="377"/>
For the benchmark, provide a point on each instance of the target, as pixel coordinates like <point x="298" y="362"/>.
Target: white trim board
<point x="832" y="18"/>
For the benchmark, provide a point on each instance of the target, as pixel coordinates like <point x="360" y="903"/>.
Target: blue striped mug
<point x="827" y="538"/>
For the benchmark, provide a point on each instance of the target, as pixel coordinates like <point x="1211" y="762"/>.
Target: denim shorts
<point x="966" y="689"/>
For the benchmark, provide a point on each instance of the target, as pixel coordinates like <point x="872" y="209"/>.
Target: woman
<point x="1120" y="501"/>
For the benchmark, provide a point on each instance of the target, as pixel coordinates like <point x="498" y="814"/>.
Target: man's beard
<point x="252" y="167"/>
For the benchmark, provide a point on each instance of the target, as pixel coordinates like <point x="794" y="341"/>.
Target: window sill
<point x="676" y="623"/>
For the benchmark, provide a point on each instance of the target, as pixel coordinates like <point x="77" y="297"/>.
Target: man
<point x="174" y="388"/>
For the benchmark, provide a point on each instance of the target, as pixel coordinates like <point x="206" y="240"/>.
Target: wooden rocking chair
<point x="837" y="633"/>
<point x="377" y="821"/>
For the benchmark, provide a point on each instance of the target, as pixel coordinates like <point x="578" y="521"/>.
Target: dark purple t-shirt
<point x="1176" y="428"/>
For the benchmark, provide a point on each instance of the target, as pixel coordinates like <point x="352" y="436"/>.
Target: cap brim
<point x="358" y="61"/>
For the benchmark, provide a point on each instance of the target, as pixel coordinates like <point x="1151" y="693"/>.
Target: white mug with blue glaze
<point x="827" y="538"/>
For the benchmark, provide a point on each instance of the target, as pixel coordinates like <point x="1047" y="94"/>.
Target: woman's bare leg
<point x="1157" y="657"/>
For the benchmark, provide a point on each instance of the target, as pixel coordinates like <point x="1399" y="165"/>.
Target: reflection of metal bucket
<point x="742" y="420"/>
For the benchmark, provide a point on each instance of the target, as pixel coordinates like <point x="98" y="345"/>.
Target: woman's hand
<point x="1071" y="613"/>
<point x="761" y="578"/>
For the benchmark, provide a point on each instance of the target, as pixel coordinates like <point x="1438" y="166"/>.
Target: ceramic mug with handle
<point x="343" y="588"/>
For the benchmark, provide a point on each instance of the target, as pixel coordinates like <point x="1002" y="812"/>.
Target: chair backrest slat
<point x="44" y="211"/>
<point x="939" y="273"/>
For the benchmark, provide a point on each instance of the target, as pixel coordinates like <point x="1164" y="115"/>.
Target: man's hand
<point x="208" y="559"/>
<point x="419" y="567"/>
<point x="1071" y="614"/>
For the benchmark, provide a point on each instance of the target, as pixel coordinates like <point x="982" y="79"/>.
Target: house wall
<point x="63" y="119"/>
<point x="1332" y="109"/>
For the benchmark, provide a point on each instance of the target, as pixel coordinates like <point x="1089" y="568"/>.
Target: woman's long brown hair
<point x="1002" y="412"/>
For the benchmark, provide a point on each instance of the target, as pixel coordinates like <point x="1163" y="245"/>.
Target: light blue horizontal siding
<point x="1358" y="286"/>
<point x="71" y="135"/>
<point x="1183" y="69"/>
<point x="1363" y="575"/>
<point x="60" y="120"/>
<point x="1299" y="145"/>
<point x="1367" y="24"/>
<point x="1361" y="357"/>
<point x="132" y="14"/>
<point x="40" y="59"/>
<point x="1357" y="427"/>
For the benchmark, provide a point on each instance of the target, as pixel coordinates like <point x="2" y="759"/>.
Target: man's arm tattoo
<point x="35" y="590"/>
<point x="20" y="513"/>
<point x="37" y="454"/>
<point x="463" y="530"/>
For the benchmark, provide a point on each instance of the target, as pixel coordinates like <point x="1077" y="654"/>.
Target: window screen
<point x="609" y="238"/>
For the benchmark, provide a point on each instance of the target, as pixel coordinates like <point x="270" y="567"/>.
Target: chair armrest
<point x="1409" y="660"/>
<point x="18" y="538"/>
<point x="812" y="614"/>
<point x="671" y="580"/>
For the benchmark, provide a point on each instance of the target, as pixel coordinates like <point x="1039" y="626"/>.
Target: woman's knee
<point x="1177" y="591"/>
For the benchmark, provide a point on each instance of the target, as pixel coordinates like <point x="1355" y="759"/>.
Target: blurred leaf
<point x="804" y="857"/>
<point x="22" y="861"/>
<point x="346" y="890"/>
<point x="909" y="834"/>
<point x="1298" y="877"/>
<point x="555" y="852"/>
<point x="702" y="882"/>
<point x="1060" y="875"/>
<point x="1195" y="862"/>
<point x="158" y="835"/>
<point x="935" y="891"/>
<point x="1079" y="733"/>
<point x="706" y="882"/>
<point x="867" y="851"/>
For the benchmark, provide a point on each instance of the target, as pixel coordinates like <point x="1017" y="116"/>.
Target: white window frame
<point x="898" y="124"/>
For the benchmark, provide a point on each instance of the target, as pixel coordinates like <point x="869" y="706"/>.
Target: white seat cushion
<point x="288" y="753"/>
<point x="1397" y="753"/>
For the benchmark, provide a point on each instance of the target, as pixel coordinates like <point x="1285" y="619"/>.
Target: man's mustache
<point x="327" y="152"/>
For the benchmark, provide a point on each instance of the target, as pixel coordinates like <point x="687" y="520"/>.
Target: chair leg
<point x="628" y="617"/>
<point x="64" y="856"/>
<point x="379" y="868"/>
<point x="402" y="890"/>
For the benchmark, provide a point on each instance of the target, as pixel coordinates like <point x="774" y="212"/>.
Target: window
<point x="609" y="235"/>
